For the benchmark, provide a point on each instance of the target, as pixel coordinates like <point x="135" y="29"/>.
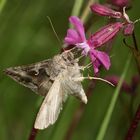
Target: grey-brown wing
<point x="33" y="76"/>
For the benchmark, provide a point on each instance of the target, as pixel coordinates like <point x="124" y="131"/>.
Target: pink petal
<point x="79" y="27"/>
<point x="105" y="11"/>
<point x="96" y="66"/>
<point x="71" y="33"/>
<point x="69" y="41"/>
<point x="72" y="37"/>
<point x="95" y="62"/>
<point x="102" y="57"/>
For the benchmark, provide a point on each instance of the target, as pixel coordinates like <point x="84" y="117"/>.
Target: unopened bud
<point x="105" y="34"/>
<point x="105" y="11"/>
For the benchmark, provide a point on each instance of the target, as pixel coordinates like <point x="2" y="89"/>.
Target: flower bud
<point x="128" y="29"/>
<point x="105" y="11"/>
<point x="105" y="34"/>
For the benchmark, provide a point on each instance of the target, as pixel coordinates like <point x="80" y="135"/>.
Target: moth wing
<point x="33" y="75"/>
<point x="50" y="107"/>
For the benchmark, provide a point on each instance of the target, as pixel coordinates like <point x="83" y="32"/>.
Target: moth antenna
<point x="93" y="78"/>
<point x="55" y="33"/>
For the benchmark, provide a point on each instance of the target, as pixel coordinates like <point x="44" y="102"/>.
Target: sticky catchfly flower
<point x="77" y="37"/>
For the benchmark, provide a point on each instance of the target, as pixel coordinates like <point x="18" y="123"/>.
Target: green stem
<point x="2" y="3"/>
<point x="111" y="107"/>
<point x="86" y="11"/>
<point x="76" y="8"/>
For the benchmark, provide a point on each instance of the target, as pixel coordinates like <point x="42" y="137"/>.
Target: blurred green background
<point x="27" y="37"/>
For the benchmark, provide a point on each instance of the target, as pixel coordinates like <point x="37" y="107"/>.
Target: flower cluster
<point x="103" y="10"/>
<point x="89" y="46"/>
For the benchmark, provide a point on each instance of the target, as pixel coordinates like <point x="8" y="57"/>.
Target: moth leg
<point x="86" y="66"/>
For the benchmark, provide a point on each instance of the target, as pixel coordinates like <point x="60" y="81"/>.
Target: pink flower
<point x="105" y="11"/>
<point x="77" y="37"/>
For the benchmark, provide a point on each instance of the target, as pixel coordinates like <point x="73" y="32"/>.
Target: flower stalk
<point x="134" y="125"/>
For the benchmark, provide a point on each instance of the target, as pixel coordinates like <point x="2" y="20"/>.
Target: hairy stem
<point x="136" y="52"/>
<point x="33" y="134"/>
<point x="135" y="41"/>
<point x="133" y="126"/>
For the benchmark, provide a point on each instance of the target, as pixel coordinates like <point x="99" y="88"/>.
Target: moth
<point x="55" y="79"/>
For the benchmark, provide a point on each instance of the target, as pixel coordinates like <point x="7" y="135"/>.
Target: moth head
<point x="27" y="76"/>
<point x="68" y="56"/>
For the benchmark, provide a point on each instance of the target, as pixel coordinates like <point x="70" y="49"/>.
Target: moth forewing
<point x="33" y="76"/>
<point x="40" y="76"/>
<point x="51" y="106"/>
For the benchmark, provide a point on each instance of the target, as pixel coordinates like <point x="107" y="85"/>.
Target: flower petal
<point x="95" y="62"/>
<point x="102" y="57"/>
<point x="96" y="66"/>
<point x="79" y="27"/>
<point x="72" y="37"/>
